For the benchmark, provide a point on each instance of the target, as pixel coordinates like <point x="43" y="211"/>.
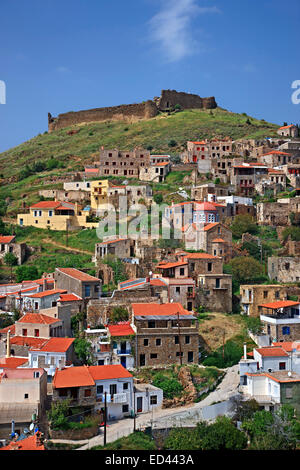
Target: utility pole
<point x="134" y="414"/>
<point x="223" y="344"/>
<point x="105" y="418"/>
<point x="179" y="338"/>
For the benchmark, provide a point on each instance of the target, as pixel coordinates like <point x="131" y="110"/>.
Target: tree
<point x="83" y="350"/>
<point x="10" y="260"/>
<point x="26" y="273"/>
<point x="172" y="143"/>
<point x="119" y="314"/>
<point x="58" y="413"/>
<point x="158" y="198"/>
<point x="182" y="439"/>
<point x="222" y="435"/>
<point x="245" y="268"/>
<point x="243" y="223"/>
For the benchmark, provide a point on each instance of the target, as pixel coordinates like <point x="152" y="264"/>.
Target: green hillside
<point x="41" y="162"/>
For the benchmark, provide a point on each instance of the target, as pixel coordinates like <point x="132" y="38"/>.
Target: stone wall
<point x="131" y="112"/>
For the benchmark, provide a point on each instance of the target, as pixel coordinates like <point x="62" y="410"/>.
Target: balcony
<point x="123" y="352"/>
<point x="115" y="398"/>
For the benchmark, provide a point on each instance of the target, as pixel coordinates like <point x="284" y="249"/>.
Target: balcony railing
<point x="113" y="398"/>
<point x="121" y="352"/>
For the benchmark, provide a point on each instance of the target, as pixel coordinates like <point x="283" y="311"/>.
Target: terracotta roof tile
<point x="76" y="274"/>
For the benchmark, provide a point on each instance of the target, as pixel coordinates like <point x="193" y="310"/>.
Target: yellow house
<point x="99" y="193"/>
<point x="56" y="215"/>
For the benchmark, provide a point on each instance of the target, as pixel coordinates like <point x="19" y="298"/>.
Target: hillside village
<point x="103" y="327"/>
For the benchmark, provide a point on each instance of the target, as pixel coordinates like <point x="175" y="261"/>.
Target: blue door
<point x="123" y="361"/>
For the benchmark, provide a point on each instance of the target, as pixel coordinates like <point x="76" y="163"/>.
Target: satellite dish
<point x="31" y="427"/>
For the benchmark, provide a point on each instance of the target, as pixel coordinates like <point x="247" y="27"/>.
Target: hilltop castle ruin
<point x="132" y="112"/>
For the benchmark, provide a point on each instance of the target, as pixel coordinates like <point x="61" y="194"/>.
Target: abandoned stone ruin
<point x="132" y="112"/>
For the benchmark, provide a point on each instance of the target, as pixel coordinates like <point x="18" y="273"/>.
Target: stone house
<point x="56" y="215"/>
<point x="8" y="245"/>
<point x="119" y="163"/>
<point x="157" y="171"/>
<point x="77" y="282"/>
<point x="214" y="238"/>
<point x="209" y="192"/>
<point x="244" y="177"/>
<point x="220" y="168"/>
<point x="253" y="295"/>
<point x="119" y="248"/>
<point x="38" y="301"/>
<point x="276" y="158"/>
<point x="165" y="334"/>
<point x="288" y="131"/>
<point x="281" y="320"/>
<point x="272" y="213"/>
<point x="284" y="268"/>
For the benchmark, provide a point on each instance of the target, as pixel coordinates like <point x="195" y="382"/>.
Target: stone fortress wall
<point x="131" y="112"/>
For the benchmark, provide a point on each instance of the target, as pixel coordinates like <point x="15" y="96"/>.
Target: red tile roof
<point x="29" y="443"/>
<point x="72" y="377"/>
<point x="28" y="341"/>
<point x="69" y="298"/>
<point x="108" y="242"/>
<point x="218" y="240"/>
<point x="84" y="376"/>
<point x="7" y="239"/>
<point x="159" y="309"/>
<point x="157" y="282"/>
<point x="109" y="372"/>
<point x="76" y="274"/>
<point x="272" y="352"/>
<point x="210" y="226"/>
<point x="12" y="362"/>
<point x="12" y="329"/>
<point x="46" y="293"/>
<point x="280" y="304"/>
<point x="288" y="346"/>
<point x="200" y="256"/>
<point x="171" y="265"/>
<point x="286" y="127"/>
<point x="46" y="205"/>
<point x="275" y="152"/>
<point x="55" y="345"/>
<point x="205" y="206"/>
<point x="38" y="318"/>
<point x="120" y="329"/>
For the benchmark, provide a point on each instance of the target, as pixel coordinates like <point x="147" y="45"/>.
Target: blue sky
<point x="67" y="55"/>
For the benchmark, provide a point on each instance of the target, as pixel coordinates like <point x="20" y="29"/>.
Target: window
<point x="24" y="332"/>
<point x="187" y="340"/>
<point x="181" y="271"/>
<point x="151" y="324"/>
<point x="125" y="385"/>
<point x="146" y="342"/>
<point x="99" y="389"/>
<point x="63" y="392"/>
<point x="281" y="365"/>
<point x="176" y="339"/>
<point x="87" y="291"/>
<point x="153" y="400"/>
<point x="87" y="392"/>
<point x="277" y="294"/>
<point x="50" y="213"/>
<point x="179" y="354"/>
<point x="285" y="330"/>
<point x="153" y="356"/>
<point x="36" y="333"/>
<point x="125" y="409"/>
<point x="265" y="294"/>
<point x="209" y="266"/>
<point x="36" y="375"/>
<point x="26" y="395"/>
<point x="158" y="341"/>
<point x="177" y="290"/>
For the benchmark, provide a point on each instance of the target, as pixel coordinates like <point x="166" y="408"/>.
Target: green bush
<point x="170" y="386"/>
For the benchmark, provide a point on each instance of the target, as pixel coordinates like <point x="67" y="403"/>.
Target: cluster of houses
<point x="164" y="289"/>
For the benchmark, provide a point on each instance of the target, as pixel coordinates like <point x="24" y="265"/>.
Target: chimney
<point x="8" y="344"/>
<point x="245" y="351"/>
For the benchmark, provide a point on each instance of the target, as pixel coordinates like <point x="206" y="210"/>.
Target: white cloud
<point x="62" y="69"/>
<point x="171" y="27"/>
